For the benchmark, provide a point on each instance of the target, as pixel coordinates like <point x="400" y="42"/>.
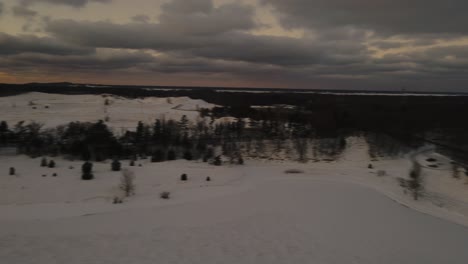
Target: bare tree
<point x="301" y="145"/>
<point x="127" y="182"/>
<point x="415" y="181"/>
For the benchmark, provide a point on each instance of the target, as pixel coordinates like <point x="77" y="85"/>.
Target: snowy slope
<point x="56" y="109"/>
<point x="334" y="212"/>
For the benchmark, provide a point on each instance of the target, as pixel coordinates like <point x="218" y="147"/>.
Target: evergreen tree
<point x="44" y="162"/>
<point x="12" y="171"/>
<point x="171" y="155"/>
<point x="86" y="170"/>
<point x="116" y="165"/>
<point x="157" y="156"/>
<point x="51" y="164"/>
<point x="217" y="161"/>
<point x="183" y="177"/>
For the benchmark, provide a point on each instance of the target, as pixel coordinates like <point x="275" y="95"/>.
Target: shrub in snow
<point x="208" y="179"/>
<point x="370" y="166"/>
<point x="240" y="161"/>
<point x="12" y="171"/>
<point x="116" y="165"/>
<point x="165" y="195"/>
<point x="44" y="162"/>
<point x="381" y="173"/>
<point x="51" y="164"/>
<point x="183" y="177"/>
<point x="127" y="183"/>
<point x="54" y="175"/>
<point x="86" y="170"/>
<point x="43" y="175"/>
<point x="132" y="163"/>
<point x="117" y="200"/>
<point x="205" y="158"/>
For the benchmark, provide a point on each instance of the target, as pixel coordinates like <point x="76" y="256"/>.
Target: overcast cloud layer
<point x="341" y="44"/>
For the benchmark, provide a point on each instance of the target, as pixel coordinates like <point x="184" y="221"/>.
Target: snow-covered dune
<point x="56" y="109"/>
<point x="333" y="212"/>
<point x="266" y="217"/>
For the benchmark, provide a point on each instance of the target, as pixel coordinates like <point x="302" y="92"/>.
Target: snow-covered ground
<point x="333" y="212"/>
<point x="120" y="113"/>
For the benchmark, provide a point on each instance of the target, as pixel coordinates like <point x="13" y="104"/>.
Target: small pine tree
<point x="217" y="161"/>
<point x="116" y="165"/>
<point x="184" y="177"/>
<point x="12" y="171"/>
<point x="370" y="166"/>
<point x="87" y="169"/>
<point x="208" y="179"/>
<point x="51" y="164"/>
<point x="132" y="163"/>
<point x="44" y="162"/>
<point x="240" y="161"/>
<point x="171" y="155"/>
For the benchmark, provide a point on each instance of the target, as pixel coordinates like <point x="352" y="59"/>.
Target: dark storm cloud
<point x="141" y="18"/>
<point x="10" y="44"/>
<point x="23" y="11"/>
<point x="384" y="16"/>
<point x="199" y="38"/>
<point x="74" y="3"/>
<point x="91" y="62"/>
<point x="227" y="42"/>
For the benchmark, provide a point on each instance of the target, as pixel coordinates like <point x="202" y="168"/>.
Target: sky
<point x="415" y="45"/>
